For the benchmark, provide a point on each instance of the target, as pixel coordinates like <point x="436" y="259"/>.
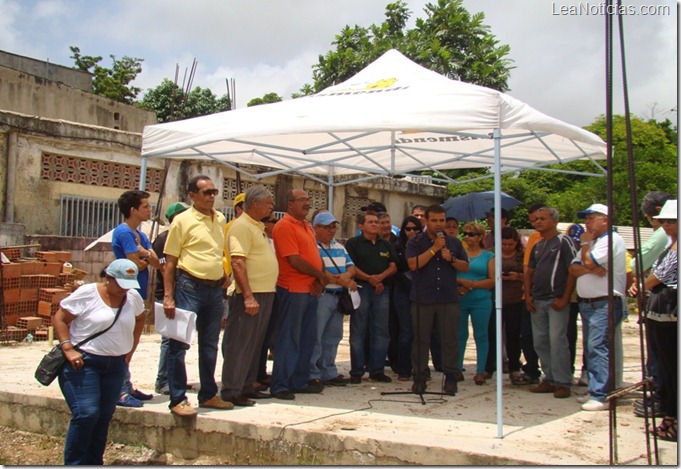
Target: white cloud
<point x="270" y="46"/>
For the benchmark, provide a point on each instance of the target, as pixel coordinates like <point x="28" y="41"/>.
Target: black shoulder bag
<point x="53" y="362"/>
<point x="344" y="300"/>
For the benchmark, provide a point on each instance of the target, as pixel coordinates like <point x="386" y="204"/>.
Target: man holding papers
<point x="255" y="270"/>
<point x="194" y="280"/>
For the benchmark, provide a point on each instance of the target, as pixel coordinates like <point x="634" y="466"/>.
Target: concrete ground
<point x="355" y="424"/>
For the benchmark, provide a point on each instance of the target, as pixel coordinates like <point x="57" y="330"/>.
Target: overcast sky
<point x="271" y="45"/>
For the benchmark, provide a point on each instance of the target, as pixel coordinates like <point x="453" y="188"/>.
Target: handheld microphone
<point x="440" y="234"/>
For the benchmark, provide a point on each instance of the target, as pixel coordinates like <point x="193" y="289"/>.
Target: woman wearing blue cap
<point x="94" y="372"/>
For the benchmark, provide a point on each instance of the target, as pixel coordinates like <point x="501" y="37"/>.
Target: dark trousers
<point x="241" y="343"/>
<point x="665" y="339"/>
<point x="531" y="367"/>
<point x="512" y="319"/>
<point x="422" y="316"/>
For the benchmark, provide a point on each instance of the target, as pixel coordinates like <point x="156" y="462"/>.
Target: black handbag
<point x="663" y="300"/>
<point x="345" y="305"/>
<point x="54" y="360"/>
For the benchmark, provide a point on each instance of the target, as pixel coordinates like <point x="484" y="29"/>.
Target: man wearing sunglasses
<point x="194" y="280"/>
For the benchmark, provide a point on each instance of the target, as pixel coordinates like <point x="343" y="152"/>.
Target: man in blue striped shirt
<point x="340" y="272"/>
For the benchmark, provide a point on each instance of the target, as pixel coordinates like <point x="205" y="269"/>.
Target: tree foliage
<point x="266" y="99"/>
<point x="449" y="40"/>
<point x="114" y="82"/>
<point x="656" y="160"/>
<point x="171" y="103"/>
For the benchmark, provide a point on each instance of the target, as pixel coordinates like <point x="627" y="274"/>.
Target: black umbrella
<point x="476" y="205"/>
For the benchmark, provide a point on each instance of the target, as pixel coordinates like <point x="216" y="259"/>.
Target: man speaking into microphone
<point x="435" y="258"/>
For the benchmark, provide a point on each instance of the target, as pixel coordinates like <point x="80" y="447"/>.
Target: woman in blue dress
<point x="475" y="289"/>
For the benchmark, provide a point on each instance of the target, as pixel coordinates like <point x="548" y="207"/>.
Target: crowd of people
<point x="280" y="283"/>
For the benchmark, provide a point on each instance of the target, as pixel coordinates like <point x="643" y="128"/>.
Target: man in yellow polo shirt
<point x="255" y="271"/>
<point x="194" y="280"/>
<point x="238" y="210"/>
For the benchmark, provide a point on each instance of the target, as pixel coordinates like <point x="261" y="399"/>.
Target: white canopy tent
<point x="394" y="118"/>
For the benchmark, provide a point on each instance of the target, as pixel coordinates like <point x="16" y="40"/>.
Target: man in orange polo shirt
<point x="301" y="280"/>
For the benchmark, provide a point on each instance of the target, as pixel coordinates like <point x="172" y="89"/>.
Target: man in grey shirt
<point x="548" y="286"/>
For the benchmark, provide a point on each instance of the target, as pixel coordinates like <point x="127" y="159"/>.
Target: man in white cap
<point x="590" y="266"/>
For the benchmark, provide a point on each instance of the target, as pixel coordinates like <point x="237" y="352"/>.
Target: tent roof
<point x="393" y="118"/>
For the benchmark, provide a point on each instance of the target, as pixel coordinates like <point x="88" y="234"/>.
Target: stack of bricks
<point x="31" y="291"/>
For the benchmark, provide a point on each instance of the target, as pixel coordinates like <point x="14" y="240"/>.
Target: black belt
<point x="598" y="298"/>
<point x="333" y="292"/>
<point x="209" y="283"/>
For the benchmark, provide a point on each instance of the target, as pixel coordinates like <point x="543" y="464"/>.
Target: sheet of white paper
<point x="356" y="300"/>
<point x="182" y="328"/>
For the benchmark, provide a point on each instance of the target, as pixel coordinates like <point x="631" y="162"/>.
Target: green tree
<point x="266" y="99"/>
<point x="655" y="157"/>
<point x="449" y="40"/>
<point x="171" y="103"/>
<point x="114" y="82"/>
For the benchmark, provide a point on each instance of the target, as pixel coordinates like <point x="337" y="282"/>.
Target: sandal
<point x="668" y="429"/>
<point x="128" y="401"/>
<point x="479" y="379"/>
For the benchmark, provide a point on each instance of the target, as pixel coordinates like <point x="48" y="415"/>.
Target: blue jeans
<point x="295" y="340"/>
<point x="329" y="335"/>
<point x="549" y="331"/>
<point x="595" y="330"/>
<point x="162" y="375"/>
<point x="206" y="302"/>
<point x="91" y="393"/>
<point x="404" y="335"/>
<point x="373" y="315"/>
<point x="126" y="388"/>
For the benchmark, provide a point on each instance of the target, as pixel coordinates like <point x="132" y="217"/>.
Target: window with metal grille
<point x="88" y="217"/>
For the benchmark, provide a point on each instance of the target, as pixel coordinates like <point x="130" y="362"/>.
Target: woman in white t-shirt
<point x="93" y="374"/>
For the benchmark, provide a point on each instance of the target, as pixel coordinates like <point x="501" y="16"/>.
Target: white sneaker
<point x="583" y="379"/>
<point x="583" y="399"/>
<point x="594" y="405"/>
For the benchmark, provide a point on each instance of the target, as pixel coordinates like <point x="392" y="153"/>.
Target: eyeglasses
<point x="411" y="228"/>
<point x="470" y="233"/>
<point x="667" y="220"/>
<point x="209" y="192"/>
<point x="301" y="199"/>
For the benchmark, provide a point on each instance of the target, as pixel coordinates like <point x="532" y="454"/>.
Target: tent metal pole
<point x="331" y="189"/>
<point x="143" y="173"/>
<point x="497" y="279"/>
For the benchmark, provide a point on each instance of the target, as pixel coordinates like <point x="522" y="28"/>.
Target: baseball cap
<point x="324" y="218"/>
<point x="594" y="208"/>
<point x="375" y="207"/>
<point x="668" y="211"/>
<point x="175" y="208"/>
<point x="125" y="272"/>
<point x="575" y="232"/>
<point x="240" y="198"/>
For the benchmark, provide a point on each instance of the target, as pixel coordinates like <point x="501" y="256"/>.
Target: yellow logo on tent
<point x="380" y="86"/>
<point x="384" y="83"/>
